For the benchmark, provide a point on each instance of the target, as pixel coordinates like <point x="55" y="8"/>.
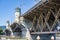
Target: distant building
<point x="19" y="27"/>
<point x="3" y="27"/>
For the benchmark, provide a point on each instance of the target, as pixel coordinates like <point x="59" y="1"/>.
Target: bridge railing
<point x="3" y="37"/>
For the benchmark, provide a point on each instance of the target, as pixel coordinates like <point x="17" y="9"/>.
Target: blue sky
<point x="7" y="9"/>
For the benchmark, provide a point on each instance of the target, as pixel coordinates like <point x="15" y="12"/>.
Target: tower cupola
<point x="17" y="14"/>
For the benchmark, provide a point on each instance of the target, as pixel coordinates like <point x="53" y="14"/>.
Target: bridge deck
<point x="44" y="32"/>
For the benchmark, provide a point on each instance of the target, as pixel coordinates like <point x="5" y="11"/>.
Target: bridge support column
<point x="38" y="38"/>
<point x="52" y="38"/>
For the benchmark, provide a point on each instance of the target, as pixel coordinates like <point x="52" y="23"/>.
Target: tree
<point x="1" y="31"/>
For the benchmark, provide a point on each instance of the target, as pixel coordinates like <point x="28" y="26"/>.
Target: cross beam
<point x="45" y="32"/>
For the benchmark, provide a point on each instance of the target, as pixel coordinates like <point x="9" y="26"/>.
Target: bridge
<point x="45" y="17"/>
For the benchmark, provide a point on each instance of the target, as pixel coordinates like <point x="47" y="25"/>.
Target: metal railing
<point x="3" y="37"/>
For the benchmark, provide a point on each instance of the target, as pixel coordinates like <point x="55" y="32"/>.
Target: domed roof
<point x="18" y="9"/>
<point x="13" y="25"/>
